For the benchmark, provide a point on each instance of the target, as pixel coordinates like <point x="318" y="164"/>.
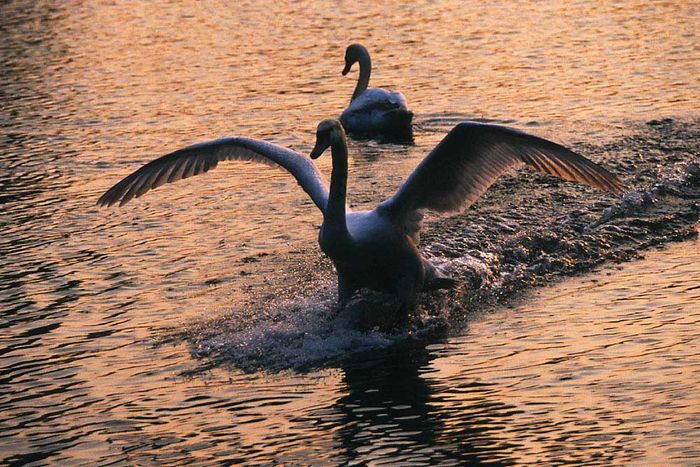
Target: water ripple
<point x="90" y="91"/>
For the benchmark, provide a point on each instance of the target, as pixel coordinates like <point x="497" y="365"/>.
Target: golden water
<point x="91" y="90"/>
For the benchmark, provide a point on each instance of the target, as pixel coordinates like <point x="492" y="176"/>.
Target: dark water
<point x="90" y="90"/>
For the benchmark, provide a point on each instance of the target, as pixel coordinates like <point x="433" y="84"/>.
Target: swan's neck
<point x="365" y="70"/>
<point x="334" y="216"/>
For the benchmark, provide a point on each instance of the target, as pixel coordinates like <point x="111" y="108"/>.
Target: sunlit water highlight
<point x="91" y="90"/>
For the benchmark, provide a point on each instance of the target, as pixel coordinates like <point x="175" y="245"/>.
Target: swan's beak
<point x="318" y="149"/>
<point x="346" y="69"/>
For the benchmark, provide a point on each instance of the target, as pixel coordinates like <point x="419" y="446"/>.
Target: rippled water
<point x="90" y="90"/>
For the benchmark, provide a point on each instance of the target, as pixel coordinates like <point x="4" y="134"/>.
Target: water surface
<point x="91" y="90"/>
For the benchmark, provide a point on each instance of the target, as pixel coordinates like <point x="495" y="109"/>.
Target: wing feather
<point x="474" y="155"/>
<point x="200" y="158"/>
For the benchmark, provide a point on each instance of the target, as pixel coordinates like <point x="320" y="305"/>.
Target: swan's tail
<point x="398" y="124"/>
<point x="400" y="117"/>
<point x="386" y="122"/>
<point x="435" y="279"/>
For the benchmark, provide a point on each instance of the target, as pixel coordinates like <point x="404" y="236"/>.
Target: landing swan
<point x="378" y="249"/>
<point x="374" y="113"/>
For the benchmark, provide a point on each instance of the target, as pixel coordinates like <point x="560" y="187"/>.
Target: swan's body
<point x="377" y="254"/>
<point x="378" y="249"/>
<point x="374" y="112"/>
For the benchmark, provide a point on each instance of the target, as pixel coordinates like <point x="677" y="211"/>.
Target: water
<point x="91" y="90"/>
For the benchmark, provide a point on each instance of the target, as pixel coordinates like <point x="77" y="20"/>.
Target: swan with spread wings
<point x="378" y="249"/>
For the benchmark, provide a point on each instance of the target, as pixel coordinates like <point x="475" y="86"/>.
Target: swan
<point x="378" y="249"/>
<point x="374" y="112"/>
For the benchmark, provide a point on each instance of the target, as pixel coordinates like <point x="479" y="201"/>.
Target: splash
<point x="297" y="334"/>
<point x="672" y="180"/>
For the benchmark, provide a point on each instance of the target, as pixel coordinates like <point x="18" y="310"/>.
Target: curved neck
<point x="334" y="216"/>
<point x="365" y="70"/>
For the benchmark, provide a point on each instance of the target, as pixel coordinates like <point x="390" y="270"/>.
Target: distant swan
<point x="374" y="113"/>
<point x="378" y="249"/>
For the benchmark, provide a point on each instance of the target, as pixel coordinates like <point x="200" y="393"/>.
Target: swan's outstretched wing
<point x="200" y="158"/>
<point x="473" y="155"/>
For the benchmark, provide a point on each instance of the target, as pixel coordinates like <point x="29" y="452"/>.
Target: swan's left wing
<point x="474" y="155"/>
<point x="200" y="158"/>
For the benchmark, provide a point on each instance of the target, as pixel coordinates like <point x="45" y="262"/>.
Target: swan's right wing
<point x="472" y="157"/>
<point x="200" y="158"/>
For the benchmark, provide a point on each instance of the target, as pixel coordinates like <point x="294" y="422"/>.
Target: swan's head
<point x="352" y="55"/>
<point x="327" y="132"/>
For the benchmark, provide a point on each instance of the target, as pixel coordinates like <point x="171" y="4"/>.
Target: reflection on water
<point x="90" y="90"/>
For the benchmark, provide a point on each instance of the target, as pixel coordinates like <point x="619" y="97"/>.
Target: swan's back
<point x="377" y="97"/>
